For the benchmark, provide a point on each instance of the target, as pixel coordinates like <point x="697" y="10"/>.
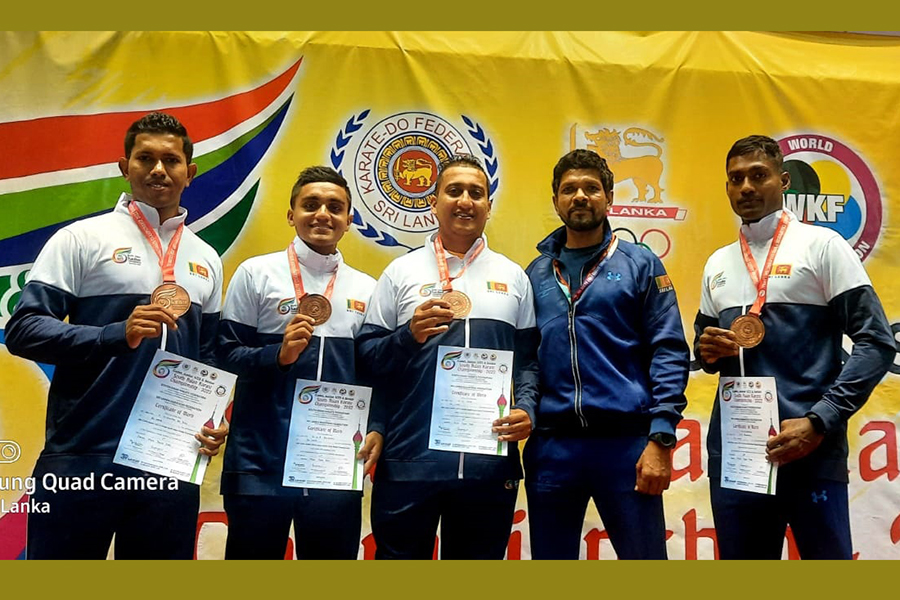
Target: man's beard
<point x="585" y="221"/>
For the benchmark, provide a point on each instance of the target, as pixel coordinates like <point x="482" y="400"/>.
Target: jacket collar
<point x="429" y="243"/>
<point x="150" y="213"/>
<point x="553" y="244"/>
<point x="764" y="229"/>
<point x="312" y="260"/>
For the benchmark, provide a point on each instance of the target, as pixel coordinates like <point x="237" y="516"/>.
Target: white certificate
<point x="471" y="389"/>
<point x="328" y="428"/>
<point x="748" y="408"/>
<point x="178" y="396"/>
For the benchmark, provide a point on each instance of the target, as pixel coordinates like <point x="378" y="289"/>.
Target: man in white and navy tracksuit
<point x="472" y="495"/>
<point x="817" y="291"/>
<point x="99" y="273"/>
<point x="269" y="344"/>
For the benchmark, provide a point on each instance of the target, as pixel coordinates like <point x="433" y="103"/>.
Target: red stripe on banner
<point x="648" y="212"/>
<point x="12" y="531"/>
<point x="67" y="142"/>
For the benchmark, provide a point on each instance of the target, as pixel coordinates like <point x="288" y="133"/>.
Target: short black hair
<point x="321" y="174"/>
<point x="756" y="143"/>
<point x="583" y="159"/>
<point x="159" y="122"/>
<point x="461" y="160"/>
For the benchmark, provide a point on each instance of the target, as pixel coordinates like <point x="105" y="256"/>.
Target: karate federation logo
<point x="164" y="367"/>
<point x="832" y="186"/>
<point x="124" y="255"/>
<point x="448" y="363"/>
<point x="288" y="305"/>
<point x="717" y="281"/>
<point x="392" y="165"/>
<point x="727" y="391"/>
<point x="308" y="394"/>
<point x="120" y="255"/>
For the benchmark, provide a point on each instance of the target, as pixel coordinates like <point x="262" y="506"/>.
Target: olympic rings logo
<point x="655" y="240"/>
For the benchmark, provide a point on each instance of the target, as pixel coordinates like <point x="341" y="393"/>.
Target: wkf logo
<point x="832" y="186"/>
<point x="392" y="165"/>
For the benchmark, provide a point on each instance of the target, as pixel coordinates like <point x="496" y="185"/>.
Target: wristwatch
<point x="817" y="422"/>
<point x="666" y="440"/>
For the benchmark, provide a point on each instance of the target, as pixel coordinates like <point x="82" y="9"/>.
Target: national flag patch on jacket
<point x="198" y="270"/>
<point x="664" y="284"/>
<point x="356" y="305"/>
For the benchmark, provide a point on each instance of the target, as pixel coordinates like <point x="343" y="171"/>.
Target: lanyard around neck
<point x="761" y="280"/>
<point x="564" y="285"/>
<point x="441" y="256"/>
<point x="167" y="260"/>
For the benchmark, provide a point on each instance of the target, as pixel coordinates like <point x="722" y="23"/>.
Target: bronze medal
<point x="459" y="303"/>
<point x="748" y="330"/>
<point x="172" y="296"/>
<point x="316" y="306"/>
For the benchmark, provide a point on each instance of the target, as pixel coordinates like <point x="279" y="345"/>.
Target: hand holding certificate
<point x="798" y="438"/>
<point x="471" y="389"/>
<point x="178" y="397"/>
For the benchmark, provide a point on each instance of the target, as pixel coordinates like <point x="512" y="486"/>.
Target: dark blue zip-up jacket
<point x="616" y="362"/>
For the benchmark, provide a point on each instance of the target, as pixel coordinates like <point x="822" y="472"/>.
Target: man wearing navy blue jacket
<point x="266" y="339"/>
<point x="100" y="272"/>
<point x="818" y="292"/>
<point x="472" y="495"/>
<point x="614" y="365"/>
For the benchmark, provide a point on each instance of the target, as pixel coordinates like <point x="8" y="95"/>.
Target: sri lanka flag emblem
<point x="664" y="284"/>
<point x="496" y="286"/>
<point x="781" y="270"/>
<point x="356" y="305"/>
<point x="198" y="270"/>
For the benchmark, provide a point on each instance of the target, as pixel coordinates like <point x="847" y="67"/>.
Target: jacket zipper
<point x="576" y="374"/>
<point x="573" y="355"/>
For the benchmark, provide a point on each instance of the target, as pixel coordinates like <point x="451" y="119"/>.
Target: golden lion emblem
<point x="415" y="169"/>
<point x="643" y="171"/>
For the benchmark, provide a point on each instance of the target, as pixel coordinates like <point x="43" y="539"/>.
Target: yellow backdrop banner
<point x="385" y="108"/>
